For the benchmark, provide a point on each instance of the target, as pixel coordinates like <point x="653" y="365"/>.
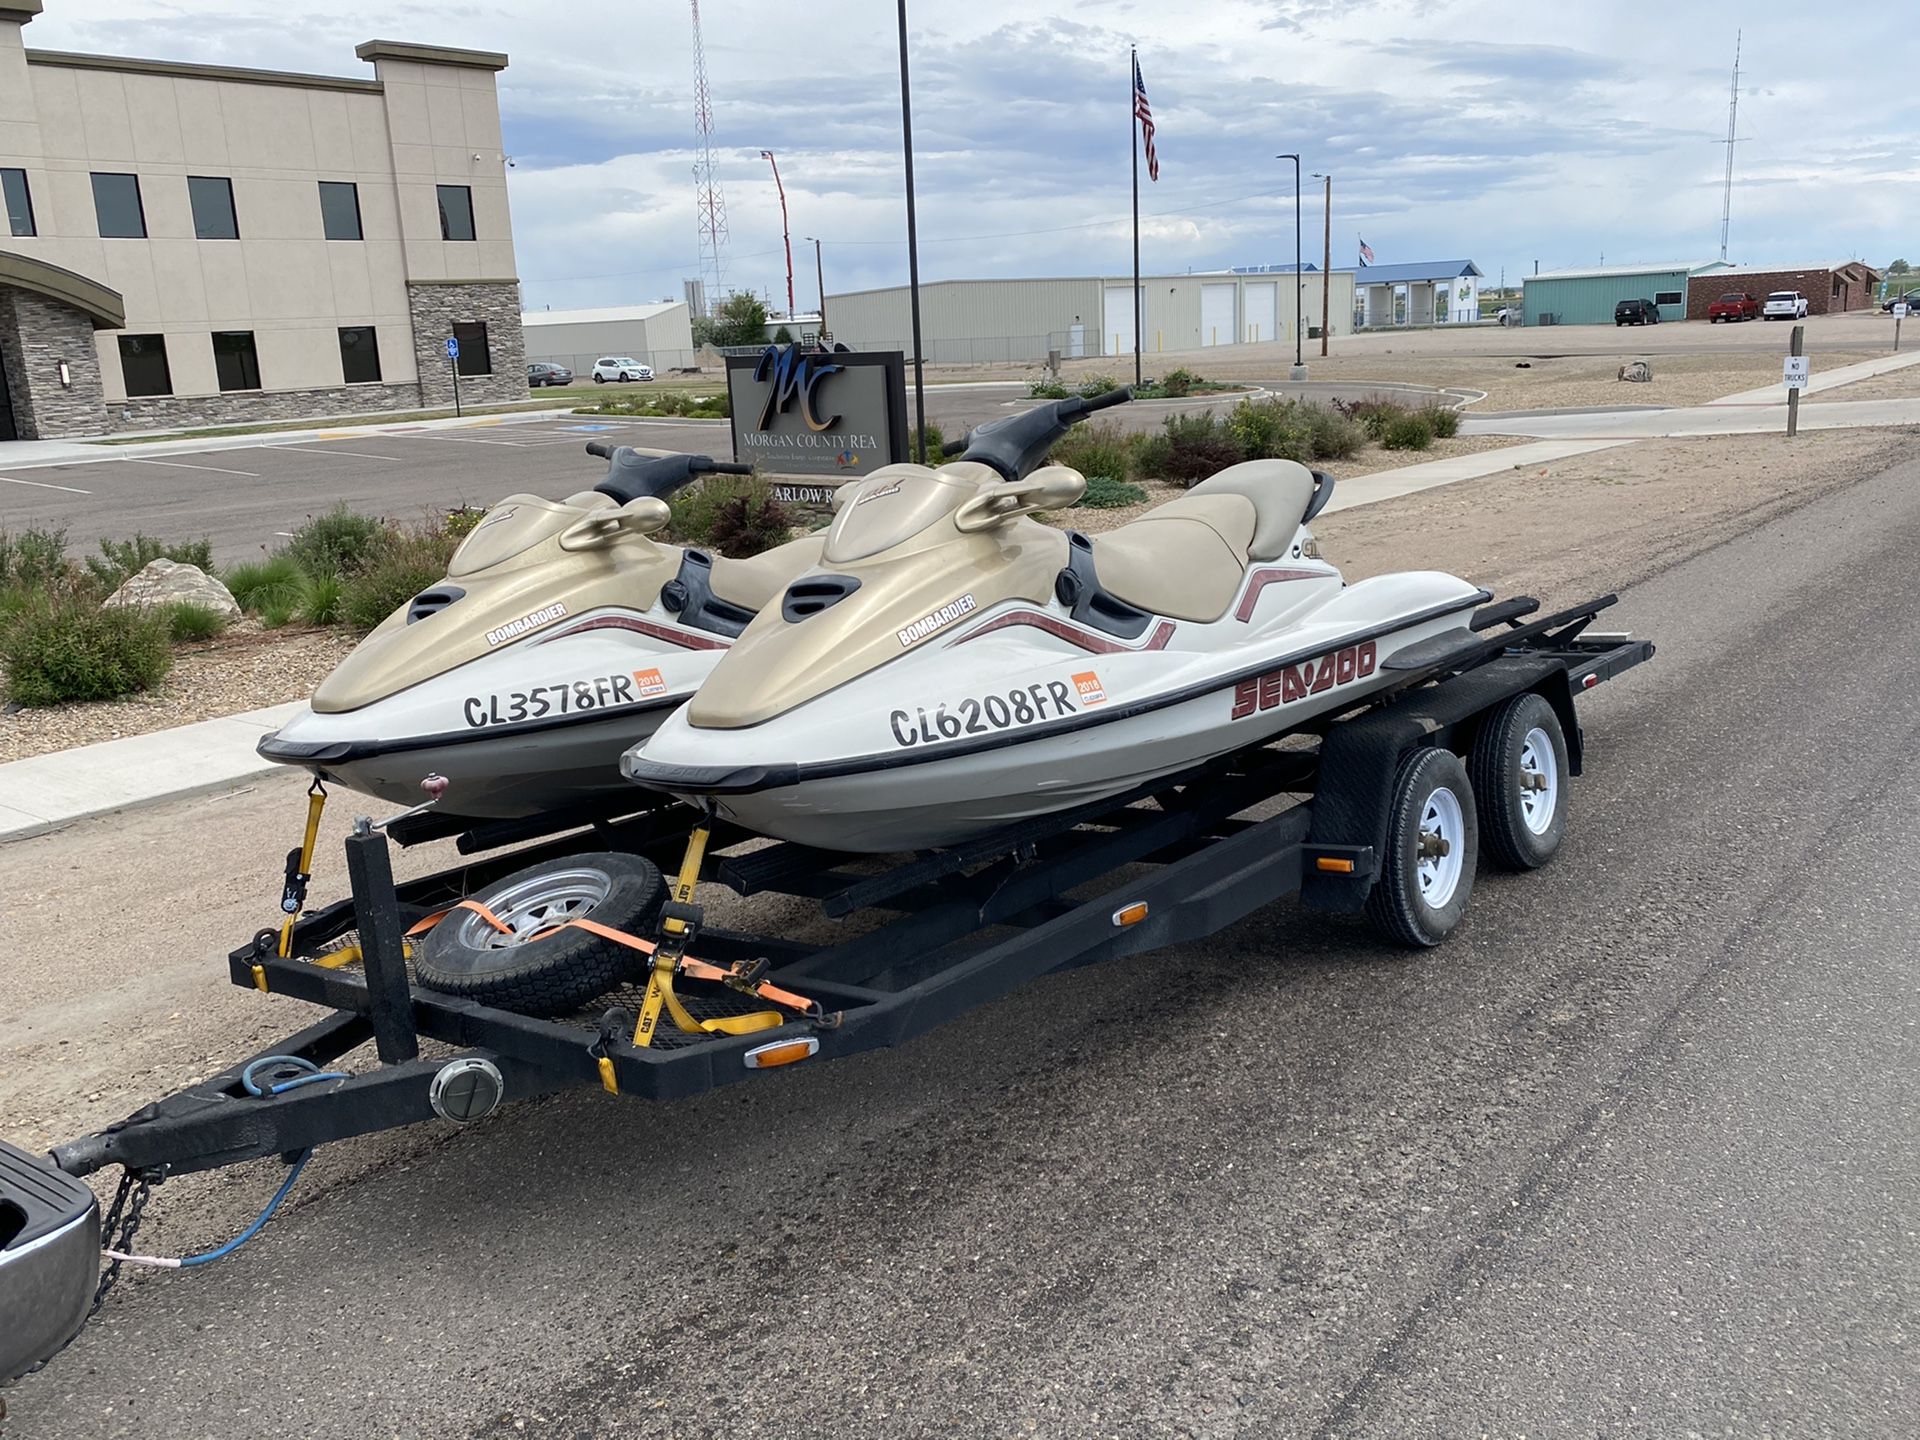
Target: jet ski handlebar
<point x="633" y="473"/>
<point x="1016" y="446"/>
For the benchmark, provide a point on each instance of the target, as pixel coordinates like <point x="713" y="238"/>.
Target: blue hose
<point x="208" y="1257"/>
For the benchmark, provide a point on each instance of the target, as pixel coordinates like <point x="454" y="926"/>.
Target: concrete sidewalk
<point x="44" y="792"/>
<point x="1824" y="381"/>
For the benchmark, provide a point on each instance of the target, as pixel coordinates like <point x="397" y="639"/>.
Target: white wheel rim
<point x="533" y="907"/>
<point x="1442" y="822"/>
<point x="1539" y="781"/>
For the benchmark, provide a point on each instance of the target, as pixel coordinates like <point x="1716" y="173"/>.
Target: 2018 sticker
<point x="1091" y="691"/>
<point x="983" y="714"/>
<point x="570" y="697"/>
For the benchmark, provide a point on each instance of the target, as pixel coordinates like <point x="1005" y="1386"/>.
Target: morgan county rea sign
<point x="798" y="411"/>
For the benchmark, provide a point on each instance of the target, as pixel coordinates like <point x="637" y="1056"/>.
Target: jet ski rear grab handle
<point x="954" y="930"/>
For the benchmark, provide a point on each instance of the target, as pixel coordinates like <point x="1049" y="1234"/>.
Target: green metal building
<point x="1587" y="297"/>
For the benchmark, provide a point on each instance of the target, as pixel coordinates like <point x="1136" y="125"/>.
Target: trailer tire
<point x="1521" y="825"/>
<point x="1419" y="899"/>
<point x="535" y="973"/>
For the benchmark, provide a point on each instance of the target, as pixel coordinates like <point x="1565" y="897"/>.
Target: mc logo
<point x="792" y="374"/>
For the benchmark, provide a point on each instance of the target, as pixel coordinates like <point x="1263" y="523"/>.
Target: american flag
<point x="1366" y="253"/>
<point x="1143" y="112"/>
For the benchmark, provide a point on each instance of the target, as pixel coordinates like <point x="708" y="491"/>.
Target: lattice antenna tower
<point x="1733" y="120"/>
<point x="712" y="206"/>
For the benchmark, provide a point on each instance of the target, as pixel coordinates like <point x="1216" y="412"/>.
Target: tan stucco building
<point x="196" y="244"/>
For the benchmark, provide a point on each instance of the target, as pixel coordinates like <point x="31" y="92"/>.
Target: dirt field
<point x="1901" y="384"/>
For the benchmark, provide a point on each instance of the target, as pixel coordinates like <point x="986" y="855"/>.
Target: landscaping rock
<point x="1638" y="370"/>
<point x="165" y="581"/>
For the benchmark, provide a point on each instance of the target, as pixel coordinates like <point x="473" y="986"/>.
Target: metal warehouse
<point x="1587" y="297"/>
<point x="1012" y="320"/>
<point x="658" y="335"/>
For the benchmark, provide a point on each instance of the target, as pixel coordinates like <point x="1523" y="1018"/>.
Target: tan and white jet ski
<point x="562" y="633"/>
<point x="952" y="666"/>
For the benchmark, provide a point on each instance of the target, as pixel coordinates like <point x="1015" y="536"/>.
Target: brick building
<point x="200" y="244"/>
<point x="1842" y="285"/>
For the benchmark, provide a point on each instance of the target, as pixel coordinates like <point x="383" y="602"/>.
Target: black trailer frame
<point x="966" y="925"/>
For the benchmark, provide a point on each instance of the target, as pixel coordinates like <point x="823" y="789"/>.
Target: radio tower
<point x="1733" y="119"/>
<point x="707" y="199"/>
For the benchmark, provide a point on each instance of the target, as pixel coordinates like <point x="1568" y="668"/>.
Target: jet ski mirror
<point x="640" y="516"/>
<point x="1054" y="487"/>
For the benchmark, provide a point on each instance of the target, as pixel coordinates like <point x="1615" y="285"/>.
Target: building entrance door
<point x="7" y="431"/>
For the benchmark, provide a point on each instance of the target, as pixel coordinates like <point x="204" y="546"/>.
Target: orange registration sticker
<point x="1087" y="683"/>
<point x="649" y="682"/>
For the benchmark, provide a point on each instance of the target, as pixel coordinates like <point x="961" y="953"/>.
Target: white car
<point x="620" y="368"/>
<point x="1784" y="305"/>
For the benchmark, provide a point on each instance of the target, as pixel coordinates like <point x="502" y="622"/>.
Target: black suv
<point x="1636" y="312"/>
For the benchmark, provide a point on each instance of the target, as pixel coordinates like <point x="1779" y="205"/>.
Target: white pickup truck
<point x="1785" y="305"/>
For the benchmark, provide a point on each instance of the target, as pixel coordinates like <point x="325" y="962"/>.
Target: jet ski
<point x="562" y="633"/>
<point x="953" y="666"/>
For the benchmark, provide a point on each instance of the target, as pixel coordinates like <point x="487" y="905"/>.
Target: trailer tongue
<point x="1383" y="817"/>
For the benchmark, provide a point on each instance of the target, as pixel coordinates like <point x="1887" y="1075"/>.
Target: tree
<point x="783" y="336"/>
<point x="1899" y="267"/>
<point x="742" y="321"/>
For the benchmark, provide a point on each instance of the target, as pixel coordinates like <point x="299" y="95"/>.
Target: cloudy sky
<point x="1499" y="130"/>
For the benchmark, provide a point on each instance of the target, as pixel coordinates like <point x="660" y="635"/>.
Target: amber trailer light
<point x="1130" y="914"/>
<point x="780" y="1052"/>
<point x="1333" y="866"/>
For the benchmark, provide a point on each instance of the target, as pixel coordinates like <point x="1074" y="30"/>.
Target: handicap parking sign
<point x="453" y="348"/>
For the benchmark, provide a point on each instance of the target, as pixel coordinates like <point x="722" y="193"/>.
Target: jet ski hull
<point x="1015" y="720"/>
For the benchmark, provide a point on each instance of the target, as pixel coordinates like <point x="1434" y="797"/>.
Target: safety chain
<point x="116" y="1232"/>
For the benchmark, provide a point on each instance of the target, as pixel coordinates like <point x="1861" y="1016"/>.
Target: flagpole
<point x="1133" y="114"/>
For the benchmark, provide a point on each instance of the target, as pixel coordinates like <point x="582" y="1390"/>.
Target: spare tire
<point x="532" y="967"/>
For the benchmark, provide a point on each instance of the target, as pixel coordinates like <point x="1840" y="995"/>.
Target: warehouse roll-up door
<point x="1263" y="309"/>
<point x="1118" y="336"/>
<point x="1216" y="314"/>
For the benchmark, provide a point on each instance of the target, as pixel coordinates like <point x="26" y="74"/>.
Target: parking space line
<point x="43" y="485"/>
<point x="182" y="465"/>
<point x="357" y="454"/>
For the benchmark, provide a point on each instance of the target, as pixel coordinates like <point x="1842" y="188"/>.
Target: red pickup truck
<point x="1733" y="306"/>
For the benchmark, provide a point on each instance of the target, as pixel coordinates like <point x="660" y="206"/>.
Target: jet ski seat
<point x="1187" y="558"/>
<point x="757" y="581"/>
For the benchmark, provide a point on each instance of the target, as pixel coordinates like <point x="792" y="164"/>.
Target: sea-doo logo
<point x="939" y="619"/>
<point x="880" y="494"/>
<point x="514" y="629"/>
<point x="793" y="373"/>
<point x="1296" y="682"/>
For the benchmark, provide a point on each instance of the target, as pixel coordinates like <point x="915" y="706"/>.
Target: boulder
<point x="1638" y="370"/>
<point x="165" y="581"/>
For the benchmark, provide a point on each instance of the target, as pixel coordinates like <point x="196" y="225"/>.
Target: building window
<point x="474" y="359"/>
<point x="143" y="364"/>
<point x="340" y="209"/>
<point x="116" y="203"/>
<point x="1668" y="297"/>
<point x="213" y="217"/>
<point x="359" y="355"/>
<point x="235" y="361"/>
<point x="456" y="212"/>
<point x="13" y="186"/>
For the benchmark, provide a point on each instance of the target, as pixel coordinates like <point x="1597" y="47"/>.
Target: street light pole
<point x="1326" y="266"/>
<point x="913" y="248"/>
<point x="1299" y="280"/>
<point x="820" y="279"/>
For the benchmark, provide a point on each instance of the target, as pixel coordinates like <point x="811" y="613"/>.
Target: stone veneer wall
<point x="435" y="305"/>
<point x="37" y="334"/>
<point x="258" y="407"/>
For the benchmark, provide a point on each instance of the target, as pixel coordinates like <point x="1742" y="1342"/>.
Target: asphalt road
<point x="1634" y="1154"/>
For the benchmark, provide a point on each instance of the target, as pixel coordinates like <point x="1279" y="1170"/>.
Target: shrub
<point x="35" y="560"/>
<point x="1443" y="422"/>
<point x="664" y="403"/>
<point x="263" y="585"/>
<point x="1333" y="436"/>
<point x="1270" y="429"/>
<point x="1178" y="384"/>
<point x="120" y="558"/>
<point x="320" y="600"/>
<point x="783" y="336"/>
<point x="733" y="514"/>
<point x="1199" y="446"/>
<point x="189" y="620"/>
<point x="1148" y="456"/>
<point x="1097" y="449"/>
<point x="1407" y="432"/>
<point x="463" y="520"/>
<point x="1373" y="416"/>
<point x="1047" y="390"/>
<point x="935" y="441"/>
<point x="336" y="543"/>
<point x="66" y="649"/>
<point x="1096" y="385"/>
<point x="406" y="562"/>
<point x="1104" y="492"/>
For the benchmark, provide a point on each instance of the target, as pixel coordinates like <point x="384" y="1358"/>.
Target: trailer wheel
<point x="533" y="968"/>
<point x="1520" y="780"/>
<point x="1432" y="842"/>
